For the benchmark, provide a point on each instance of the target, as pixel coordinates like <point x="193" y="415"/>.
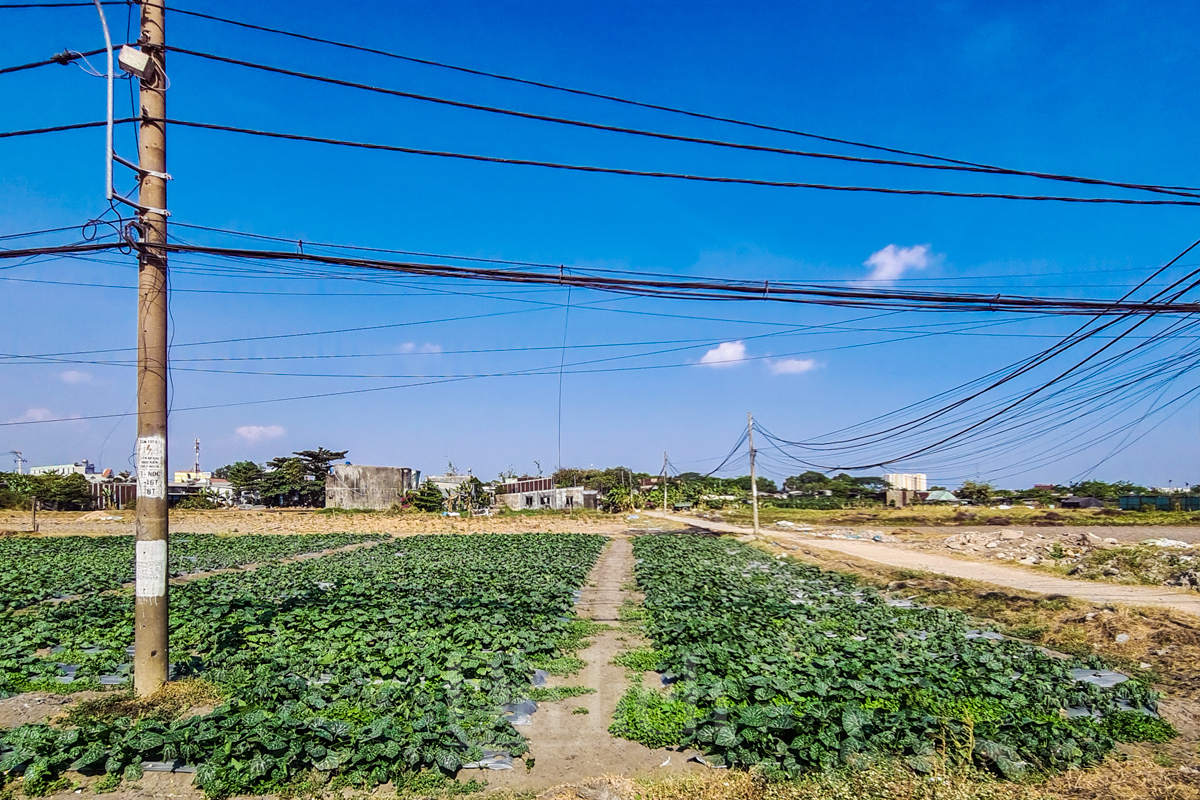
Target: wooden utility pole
<point x="151" y="659"/>
<point x="753" y="474"/>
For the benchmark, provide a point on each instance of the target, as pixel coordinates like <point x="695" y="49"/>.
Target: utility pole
<point x="753" y="474"/>
<point x="196" y="463"/>
<point x="151" y="660"/>
<point x="664" y="481"/>
<point x="19" y="458"/>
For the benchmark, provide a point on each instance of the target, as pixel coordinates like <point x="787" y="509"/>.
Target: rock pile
<point x="1014" y="545"/>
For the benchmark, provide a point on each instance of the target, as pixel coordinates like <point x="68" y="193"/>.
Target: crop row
<point x="778" y="663"/>
<point x="34" y="568"/>
<point x="368" y="665"/>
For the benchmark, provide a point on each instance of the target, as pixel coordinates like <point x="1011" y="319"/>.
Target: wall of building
<point x="557" y="499"/>
<point x="912" y="481"/>
<point x="378" y="488"/>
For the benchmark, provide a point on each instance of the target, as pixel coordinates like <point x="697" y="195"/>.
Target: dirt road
<point x="569" y="746"/>
<point x="900" y="556"/>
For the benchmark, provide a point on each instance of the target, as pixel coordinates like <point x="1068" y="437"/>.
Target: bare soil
<point x="287" y="521"/>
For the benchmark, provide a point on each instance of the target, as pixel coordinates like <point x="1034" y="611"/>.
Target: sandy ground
<point x="568" y="746"/>
<point x="900" y="555"/>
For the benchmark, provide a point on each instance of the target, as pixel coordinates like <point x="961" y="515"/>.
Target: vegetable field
<point x="33" y="569"/>
<point x="362" y="667"/>
<point x="776" y="663"/>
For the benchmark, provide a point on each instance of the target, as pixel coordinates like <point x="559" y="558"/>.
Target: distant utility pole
<point x="664" y="482"/>
<point x="196" y="463"/>
<point x="19" y="458"/>
<point x="151" y="660"/>
<point x="753" y="474"/>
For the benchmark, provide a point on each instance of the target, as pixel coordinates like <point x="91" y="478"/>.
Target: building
<point x="541" y="493"/>
<point x="912" y="481"/>
<point x="360" y="486"/>
<point x="84" y="467"/>
<point x="448" y="484"/>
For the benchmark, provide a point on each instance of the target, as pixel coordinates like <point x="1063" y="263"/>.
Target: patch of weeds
<point x="642" y="659"/>
<point x="108" y="783"/>
<point x="580" y="710"/>
<point x="630" y="611"/>
<point x="429" y="783"/>
<point x="577" y="634"/>
<point x="1134" y="726"/>
<point x="651" y="718"/>
<point x="1031" y="632"/>
<point x="551" y="694"/>
<point x="561" y="666"/>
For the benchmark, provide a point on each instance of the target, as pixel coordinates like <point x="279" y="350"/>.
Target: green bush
<point x="655" y="720"/>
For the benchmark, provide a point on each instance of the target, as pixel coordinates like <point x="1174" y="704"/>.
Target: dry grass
<point x="938" y="516"/>
<point x="882" y="781"/>
<point x="1125" y="780"/>
<point x="174" y="700"/>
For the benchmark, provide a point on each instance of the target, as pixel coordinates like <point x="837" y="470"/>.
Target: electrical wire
<point x="676" y="137"/>
<point x="671" y="175"/>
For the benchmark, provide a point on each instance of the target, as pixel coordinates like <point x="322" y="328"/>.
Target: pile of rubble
<point x="1062" y="547"/>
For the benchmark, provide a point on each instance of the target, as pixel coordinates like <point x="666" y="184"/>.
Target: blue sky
<point x="1098" y="89"/>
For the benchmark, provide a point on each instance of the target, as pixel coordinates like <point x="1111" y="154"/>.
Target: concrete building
<point x="541" y="493"/>
<point x="912" y="481"/>
<point x="84" y="467"/>
<point x="359" y="486"/>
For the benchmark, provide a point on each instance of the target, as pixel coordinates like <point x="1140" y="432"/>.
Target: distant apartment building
<point x="84" y="467"/>
<point x="912" y="481"/>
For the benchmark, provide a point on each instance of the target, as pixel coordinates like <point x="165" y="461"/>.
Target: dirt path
<point x="900" y="556"/>
<point x="568" y="746"/>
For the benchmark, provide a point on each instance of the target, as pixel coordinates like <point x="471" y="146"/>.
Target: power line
<point x="710" y="289"/>
<point x="64" y="58"/>
<point x="673" y="175"/>
<point x="57" y="128"/>
<point x="596" y="95"/>
<point x="676" y="137"/>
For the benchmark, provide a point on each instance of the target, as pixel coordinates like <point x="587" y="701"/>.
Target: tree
<point x="427" y="497"/>
<point x="979" y="494"/>
<point x="810" y="481"/>
<point x="1106" y="491"/>
<point x="243" y="476"/>
<point x="284" y="482"/>
<point x="469" y="496"/>
<point x="765" y="485"/>
<point x="63" y="492"/>
<point x="317" y="466"/>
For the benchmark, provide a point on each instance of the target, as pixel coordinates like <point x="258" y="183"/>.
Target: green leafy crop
<point x="33" y="568"/>
<point x="785" y="666"/>
<point x="366" y="666"/>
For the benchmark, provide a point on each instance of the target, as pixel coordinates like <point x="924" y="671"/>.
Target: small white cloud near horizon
<point x="792" y="366"/>
<point x="34" y="415"/>
<point x="259" y="433"/>
<point x="726" y="354"/>
<point x="413" y="347"/>
<point x="75" y="376"/>
<point x="890" y="263"/>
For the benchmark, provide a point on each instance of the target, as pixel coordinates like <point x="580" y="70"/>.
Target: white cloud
<point x="726" y="354"/>
<point x="413" y="347"/>
<point x="259" y="433"/>
<point x="34" y="415"/>
<point x="792" y="366"/>
<point x="75" y="376"/>
<point x="892" y="262"/>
